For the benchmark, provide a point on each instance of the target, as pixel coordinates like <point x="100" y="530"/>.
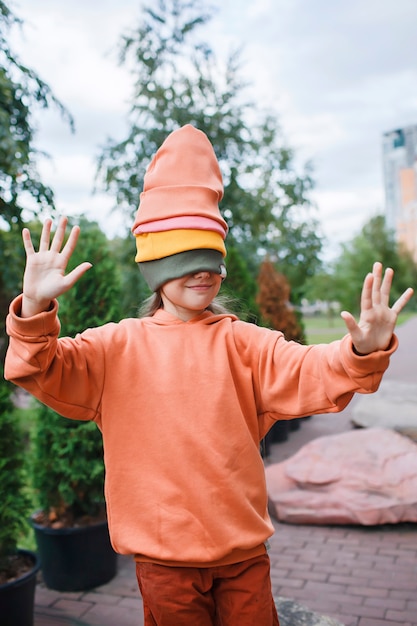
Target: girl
<point x="184" y="395"/>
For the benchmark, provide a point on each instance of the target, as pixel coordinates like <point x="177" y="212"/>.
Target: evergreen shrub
<point x="15" y="502"/>
<point x="68" y="470"/>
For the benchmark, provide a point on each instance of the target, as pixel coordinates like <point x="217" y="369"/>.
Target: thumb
<point x="349" y="321"/>
<point x="72" y="277"/>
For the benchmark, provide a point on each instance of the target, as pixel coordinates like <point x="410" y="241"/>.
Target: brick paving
<point x="362" y="576"/>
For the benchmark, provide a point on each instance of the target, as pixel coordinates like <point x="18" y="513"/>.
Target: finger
<point x="71" y="243"/>
<point x="366" y="294"/>
<point x="27" y="242"/>
<point x="376" y="285"/>
<point x="399" y="304"/>
<point x="386" y="286"/>
<point x="59" y="236"/>
<point x="45" y="236"/>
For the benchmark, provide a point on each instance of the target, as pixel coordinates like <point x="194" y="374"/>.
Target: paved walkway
<point x="362" y="576"/>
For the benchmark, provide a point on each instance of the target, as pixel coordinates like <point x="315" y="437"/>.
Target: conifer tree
<point x="21" y="92"/>
<point x="274" y="302"/>
<point x="178" y="79"/>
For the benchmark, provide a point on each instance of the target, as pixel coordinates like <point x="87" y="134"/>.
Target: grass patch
<point x="323" y="329"/>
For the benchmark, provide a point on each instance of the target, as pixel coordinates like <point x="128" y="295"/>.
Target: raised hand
<point x="377" y="319"/>
<point x="45" y="278"/>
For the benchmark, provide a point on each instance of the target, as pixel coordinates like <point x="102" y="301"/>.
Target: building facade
<point x="400" y="179"/>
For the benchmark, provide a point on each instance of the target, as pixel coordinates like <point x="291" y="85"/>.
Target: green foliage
<point x="15" y="503"/>
<point x="21" y="90"/>
<point x="12" y="262"/>
<point x="178" y="80"/>
<point x="321" y="286"/>
<point x="134" y="289"/>
<point x="374" y="243"/>
<point x="96" y="298"/>
<point x="68" y="473"/>
<point x="267" y="206"/>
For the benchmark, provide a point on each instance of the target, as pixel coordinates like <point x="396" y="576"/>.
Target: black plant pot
<point x="75" y="559"/>
<point x="17" y="598"/>
<point x="295" y="423"/>
<point x="280" y="431"/>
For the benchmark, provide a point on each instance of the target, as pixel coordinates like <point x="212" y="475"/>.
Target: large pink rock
<point x="366" y="476"/>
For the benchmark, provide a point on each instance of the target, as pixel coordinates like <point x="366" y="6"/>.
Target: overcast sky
<point x="338" y="75"/>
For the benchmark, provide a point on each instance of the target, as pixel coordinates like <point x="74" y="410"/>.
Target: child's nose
<point x="202" y="274"/>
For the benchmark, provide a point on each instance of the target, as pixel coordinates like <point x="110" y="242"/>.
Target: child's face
<point x="190" y="295"/>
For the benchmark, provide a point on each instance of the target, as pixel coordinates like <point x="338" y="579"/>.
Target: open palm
<point x="377" y="319"/>
<point x="45" y="275"/>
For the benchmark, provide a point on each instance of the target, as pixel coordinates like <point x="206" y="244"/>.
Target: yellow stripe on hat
<point x="152" y="246"/>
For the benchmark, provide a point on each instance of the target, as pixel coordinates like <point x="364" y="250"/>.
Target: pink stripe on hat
<point x="195" y="222"/>
<point x="183" y="179"/>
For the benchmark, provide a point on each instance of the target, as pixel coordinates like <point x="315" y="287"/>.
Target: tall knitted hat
<point x="178" y="226"/>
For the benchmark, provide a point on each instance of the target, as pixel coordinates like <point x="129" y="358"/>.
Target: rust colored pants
<point x="230" y="595"/>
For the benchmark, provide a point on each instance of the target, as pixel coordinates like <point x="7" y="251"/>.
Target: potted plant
<point x="18" y="567"/>
<point x="68" y="470"/>
<point x="70" y="526"/>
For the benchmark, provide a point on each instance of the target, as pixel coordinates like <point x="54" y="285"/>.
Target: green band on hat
<point x="157" y="273"/>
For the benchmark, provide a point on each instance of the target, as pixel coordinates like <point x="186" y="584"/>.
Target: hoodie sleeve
<point x="68" y="380"/>
<point x="293" y="380"/>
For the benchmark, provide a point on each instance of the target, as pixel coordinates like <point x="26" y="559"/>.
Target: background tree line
<point x="177" y="79"/>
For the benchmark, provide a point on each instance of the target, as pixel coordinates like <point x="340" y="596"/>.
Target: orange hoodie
<point x="182" y="407"/>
